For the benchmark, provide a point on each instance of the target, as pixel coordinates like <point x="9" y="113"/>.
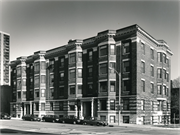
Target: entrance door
<point x="87" y="109"/>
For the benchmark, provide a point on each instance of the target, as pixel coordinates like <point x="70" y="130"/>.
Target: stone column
<point x="81" y="110"/>
<point x="24" y="109"/>
<point x="76" y="111"/>
<point x="30" y="108"/>
<point x="92" y="108"/>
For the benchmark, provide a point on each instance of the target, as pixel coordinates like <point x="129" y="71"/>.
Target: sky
<point x="36" y="25"/>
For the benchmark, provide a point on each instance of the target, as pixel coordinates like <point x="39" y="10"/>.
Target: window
<point x="18" y="84"/>
<point x="160" y="106"/>
<point x="143" y="48"/>
<point x="159" y="89"/>
<point x="79" y="73"/>
<point x="112" y="49"/>
<point x="113" y="66"/>
<point x="61" y="62"/>
<point x="125" y="119"/>
<point x="61" y="105"/>
<point x="103" y="86"/>
<point x="51" y="106"/>
<point x="159" y="73"/>
<point x="90" y="72"/>
<point x="112" y="119"/>
<point x="42" y="93"/>
<point x="61" y="91"/>
<point x="167" y="77"/>
<point x="125" y="104"/>
<point x="37" y="93"/>
<point x="72" y="107"/>
<point x="142" y="67"/>
<point x="167" y="89"/>
<point x="112" y="86"/>
<point x="80" y="56"/>
<point x="112" y="104"/>
<point x="152" y="53"/>
<point x="43" y="65"/>
<point x="152" y="71"/>
<point x="72" y="58"/>
<point x="52" y="92"/>
<point x="36" y="81"/>
<point x="159" y="57"/>
<point x="167" y="60"/>
<point x="79" y="89"/>
<point x="24" y="94"/>
<point x="164" y="58"/>
<point x="103" y="105"/>
<point x="18" y="71"/>
<point x="103" y="50"/>
<point x="72" y="89"/>
<point x="90" y="54"/>
<point x="51" y="80"/>
<point x="42" y="106"/>
<point x="43" y="79"/>
<point x="126" y="65"/>
<point x="62" y="76"/>
<point x="37" y="106"/>
<point x="90" y="88"/>
<point x="142" y="104"/>
<point x="72" y="73"/>
<point x="152" y="87"/>
<point x="36" y="66"/>
<point x="164" y="90"/>
<point x="103" y="68"/>
<point x="164" y="73"/>
<point x="126" y="85"/>
<point x="143" y="85"/>
<point x="126" y="48"/>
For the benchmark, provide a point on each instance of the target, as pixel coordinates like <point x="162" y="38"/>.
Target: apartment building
<point x="119" y="74"/>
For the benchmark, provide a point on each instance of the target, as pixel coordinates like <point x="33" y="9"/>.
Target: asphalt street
<point x="18" y="127"/>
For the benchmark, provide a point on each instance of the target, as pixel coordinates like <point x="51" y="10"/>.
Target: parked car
<point x="94" y="121"/>
<point x="50" y="118"/>
<point x="5" y="116"/>
<point x="31" y="117"/>
<point x="71" y="120"/>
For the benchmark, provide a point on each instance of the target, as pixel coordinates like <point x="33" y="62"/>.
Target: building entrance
<point x="86" y="109"/>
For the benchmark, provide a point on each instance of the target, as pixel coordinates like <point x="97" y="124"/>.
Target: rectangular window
<point x="113" y="66"/>
<point x="167" y="91"/>
<point x="152" y="53"/>
<point x="62" y="76"/>
<point x="79" y="89"/>
<point x="167" y="77"/>
<point x="103" y="105"/>
<point x="143" y="48"/>
<point x="24" y="94"/>
<point x="112" y="104"/>
<point x="90" y="88"/>
<point x="37" y="106"/>
<point x="43" y="79"/>
<point x="61" y="91"/>
<point x="18" y="84"/>
<point x="42" y="93"/>
<point x="72" y="107"/>
<point x="103" y="68"/>
<point x="103" y="50"/>
<point x="143" y="85"/>
<point x="61" y="105"/>
<point x="90" y="55"/>
<point x="152" y="87"/>
<point x="37" y="93"/>
<point x="126" y="85"/>
<point x="90" y="71"/>
<point x="72" y="89"/>
<point x="72" y="58"/>
<point x="164" y="73"/>
<point x="42" y="106"/>
<point x="167" y="60"/>
<point x="43" y="65"/>
<point x="142" y="104"/>
<point x="152" y="71"/>
<point x="79" y="73"/>
<point x="72" y="74"/>
<point x="164" y="58"/>
<point x="103" y="86"/>
<point x="164" y="90"/>
<point x="112" y="86"/>
<point x="125" y="104"/>
<point x="18" y="71"/>
<point x="112" y="49"/>
<point x="61" y="62"/>
<point x="51" y="80"/>
<point x="80" y="56"/>
<point x="159" y="73"/>
<point x="142" y="67"/>
<point x="51" y="106"/>
<point x="36" y="67"/>
<point x="52" y="92"/>
<point x="159" y="57"/>
<point x="36" y="81"/>
<point x="126" y="66"/>
<point x="126" y="48"/>
<point x="159" y="89"/>
<point x="51" y="65"/>
<point x="112" y="119"/>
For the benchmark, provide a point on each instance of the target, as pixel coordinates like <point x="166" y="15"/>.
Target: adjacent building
<point x="84" y="77"/>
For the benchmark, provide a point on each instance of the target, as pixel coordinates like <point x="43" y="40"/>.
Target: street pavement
<point x="18" y="126"/>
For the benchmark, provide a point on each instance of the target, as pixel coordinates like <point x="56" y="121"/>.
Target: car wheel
<point x="74" y="122"/>
<point x="31" y="119"/>
<point x="84" y="123"/>
<point x="97" y="124"/>
<point x="53" y="121"/>
<point x="63" y="121"/>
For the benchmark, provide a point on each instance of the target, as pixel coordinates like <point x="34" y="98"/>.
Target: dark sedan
<point x="31" y="117"/>
<point x="70" y="120"/>
<point x="94" y="121"/>
<point x="50" y="118"/>
<point x="5" y="116"/>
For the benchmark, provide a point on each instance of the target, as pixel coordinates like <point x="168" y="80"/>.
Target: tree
<point x="176" y="83"/>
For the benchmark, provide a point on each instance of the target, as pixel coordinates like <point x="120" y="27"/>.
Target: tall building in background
<point x="125" y="70"/>
<point x="4" y="56"/>
<point x="4" y="73"/>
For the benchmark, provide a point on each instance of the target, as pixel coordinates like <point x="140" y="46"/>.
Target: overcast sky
<point x="41" y="25"/>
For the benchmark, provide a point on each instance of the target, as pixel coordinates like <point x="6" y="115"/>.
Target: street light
<point x="119" y="107"/>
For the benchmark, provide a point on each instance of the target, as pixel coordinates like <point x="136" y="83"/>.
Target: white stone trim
<point x="106" y="43"/>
